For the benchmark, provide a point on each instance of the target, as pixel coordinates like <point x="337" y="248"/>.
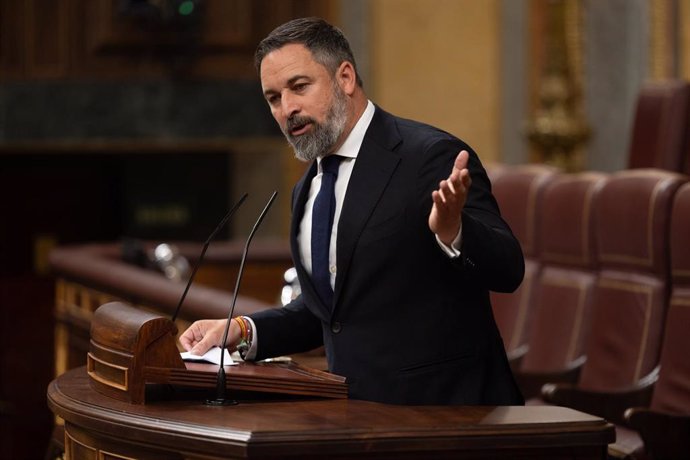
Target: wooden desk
<point x="101" y="427"/>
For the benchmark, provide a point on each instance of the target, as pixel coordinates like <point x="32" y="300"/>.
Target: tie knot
<point x="330" y="164"/>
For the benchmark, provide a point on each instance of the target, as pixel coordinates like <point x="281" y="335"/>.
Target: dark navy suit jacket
<point x="408" y="325"/>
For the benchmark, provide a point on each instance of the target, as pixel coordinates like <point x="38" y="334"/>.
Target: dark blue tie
<point x="321" y="226"/>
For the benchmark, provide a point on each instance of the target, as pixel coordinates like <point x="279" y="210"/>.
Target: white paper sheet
<point x="211" y="356"/>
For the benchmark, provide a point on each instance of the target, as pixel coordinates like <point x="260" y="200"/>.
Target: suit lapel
<point x="373" y="169"/>
<point x="299" y="198"/>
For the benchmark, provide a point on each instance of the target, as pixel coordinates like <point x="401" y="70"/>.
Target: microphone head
<point x="168" y="260"/>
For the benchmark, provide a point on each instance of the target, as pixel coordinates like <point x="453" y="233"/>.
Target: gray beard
<point x="323" y="136"/>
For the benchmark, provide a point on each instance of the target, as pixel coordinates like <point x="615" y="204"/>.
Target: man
<point x="416" y="244"/>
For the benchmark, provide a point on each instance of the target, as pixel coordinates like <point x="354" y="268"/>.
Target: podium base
<point x="221" y="402"/>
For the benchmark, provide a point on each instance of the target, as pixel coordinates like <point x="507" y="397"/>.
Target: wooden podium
<point x="136" y="399"/>
<point x="131" y="348"/>
<point x="177" y="428"/>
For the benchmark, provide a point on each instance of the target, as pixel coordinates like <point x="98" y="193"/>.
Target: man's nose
<point x="290" y="105"/>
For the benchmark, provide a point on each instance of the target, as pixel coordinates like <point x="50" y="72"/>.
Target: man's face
<point x="305" y="100"/>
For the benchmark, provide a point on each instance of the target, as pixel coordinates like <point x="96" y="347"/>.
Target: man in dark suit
<point x="399" y="295"/>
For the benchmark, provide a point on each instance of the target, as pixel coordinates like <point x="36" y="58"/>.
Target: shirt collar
<point x="351" y="146"/>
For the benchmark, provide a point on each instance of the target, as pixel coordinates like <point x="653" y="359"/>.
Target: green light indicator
<point x="186" y="8"/>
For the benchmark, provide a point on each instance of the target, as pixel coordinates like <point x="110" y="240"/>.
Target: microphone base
<point x="221" y="402"/>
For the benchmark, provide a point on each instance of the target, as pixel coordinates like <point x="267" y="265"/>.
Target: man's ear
<point x="346" y="77"/>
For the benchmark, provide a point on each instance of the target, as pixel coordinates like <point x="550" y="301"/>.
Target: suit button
<point x="336" y="327"/>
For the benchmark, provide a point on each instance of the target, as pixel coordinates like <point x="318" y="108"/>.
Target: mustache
<point x="297" y="120"/>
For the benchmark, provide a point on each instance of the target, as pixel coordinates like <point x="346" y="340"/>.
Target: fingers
<point x="202" y="346"/>
<point x="188" y="337"/>
<point x="461" y="160"/>
<point x="458" y="182"/>
<point x="454" y="189"/>
<point x="437" y="198"/>
<point x="460" y="172"/>
<point x="449" y="199"/>
<point x="202" y="335"/>
<point x="465" y="180"/>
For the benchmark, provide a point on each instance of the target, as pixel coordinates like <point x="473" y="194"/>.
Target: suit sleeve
<point x="287" y="330"/>
<point x="489" y="252"/>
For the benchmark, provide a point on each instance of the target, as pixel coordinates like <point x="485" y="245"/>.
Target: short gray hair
<point x="326" y="43"/>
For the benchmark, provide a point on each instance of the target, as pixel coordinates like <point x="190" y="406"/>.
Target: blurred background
<point x="145" y="119"/>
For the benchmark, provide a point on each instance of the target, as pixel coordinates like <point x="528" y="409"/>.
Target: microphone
<point x="221" y="400"/>
<point x="203" y="252"/>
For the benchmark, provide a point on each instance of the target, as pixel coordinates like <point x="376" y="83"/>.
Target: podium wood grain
<point x="172" y="428"/>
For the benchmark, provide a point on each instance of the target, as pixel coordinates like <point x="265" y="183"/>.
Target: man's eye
<point x="273" y="100"/>
<point x="300" y="87"/>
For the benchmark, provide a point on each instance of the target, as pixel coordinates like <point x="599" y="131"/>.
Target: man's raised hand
<point x="449" y="199"/>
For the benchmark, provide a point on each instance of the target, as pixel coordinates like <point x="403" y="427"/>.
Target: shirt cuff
<point x="250" y="354"/>
<point x="452" y="251"/>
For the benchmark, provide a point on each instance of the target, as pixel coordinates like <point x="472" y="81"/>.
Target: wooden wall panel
<point x="46" y="38"/>
<point x="97" y="39"/>
<point x="663" y="39"/>
<point x="684" y="39"/>
<point x="224" y="24"/>
<point x="12" y="46"/>
<point x="438" y="62"/>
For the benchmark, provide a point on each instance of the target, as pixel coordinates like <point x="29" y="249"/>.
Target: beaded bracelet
<point x="248" y="327"/>
<point x="245" y="335"/>
<point x="243" y="327"/>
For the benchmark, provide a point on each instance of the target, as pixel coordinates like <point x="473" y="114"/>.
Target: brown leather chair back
<point x="564" y="289"/>
<point x="661" y="122"/>
<point x="631" y="295"/>
<point x="519" y="190"/>
<point x="495" y="169"/>
<point x="672" y="390"/>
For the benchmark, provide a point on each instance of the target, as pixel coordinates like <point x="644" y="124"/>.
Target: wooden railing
<point x="88" y="276"/>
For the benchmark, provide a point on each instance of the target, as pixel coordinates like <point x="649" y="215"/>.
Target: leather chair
<point x="495" y="169"/>
<point x="565" y="286"/>
<point x="660" y="127"/>
<point x="665" y="424"/>
<point x="630" y="297"/>
<point x="519" y="190"/>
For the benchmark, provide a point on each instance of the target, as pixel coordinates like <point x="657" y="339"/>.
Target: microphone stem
<point x="203" y="253"/>
<point x="241" y="271"/>
<point x="221" y="381"/>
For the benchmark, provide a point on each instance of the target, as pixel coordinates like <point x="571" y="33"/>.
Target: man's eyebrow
<point x="294" y="79"/>
<point x="290" y="82"/>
